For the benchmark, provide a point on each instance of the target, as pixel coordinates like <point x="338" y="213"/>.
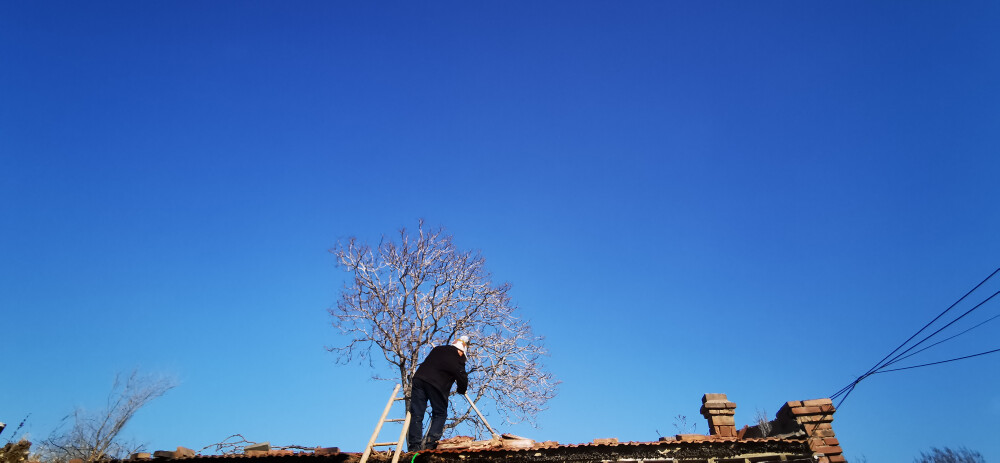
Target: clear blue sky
<point x="755" y="198"/>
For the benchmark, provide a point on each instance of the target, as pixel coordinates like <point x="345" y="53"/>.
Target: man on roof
<point x="432" y="382"/>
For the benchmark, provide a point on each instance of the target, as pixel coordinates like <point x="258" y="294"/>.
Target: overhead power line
<point x="942" y="361"/>
<point x="880" y="366"/>
<point x="879" y="363"/>
<point x="977" y="325"/>
<point x="941" y="329"/>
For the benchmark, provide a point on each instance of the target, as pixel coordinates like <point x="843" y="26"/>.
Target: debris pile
<point x="505" y="441"/>
<point x="15" y="452"/>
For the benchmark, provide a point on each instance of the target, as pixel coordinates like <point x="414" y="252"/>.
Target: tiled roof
<point x="260" y="456"/>
<point x="680" y="450"/>
<point x="319" y="455"/>
<point x="801" y="432"/>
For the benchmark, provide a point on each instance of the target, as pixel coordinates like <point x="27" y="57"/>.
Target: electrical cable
<point x="849" y="391"/>
<point x="881" y="364"/>
<point x="841" y="391"/>
<point x="849" y="388"/>
<point x="942" y="361"/>
<point x="942" y="328"/>
<point x="943" y="340"/>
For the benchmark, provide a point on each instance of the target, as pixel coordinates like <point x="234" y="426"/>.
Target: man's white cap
<point x="462" y="343"/>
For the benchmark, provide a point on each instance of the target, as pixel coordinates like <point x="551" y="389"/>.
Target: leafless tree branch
<point x="94" y="435"/>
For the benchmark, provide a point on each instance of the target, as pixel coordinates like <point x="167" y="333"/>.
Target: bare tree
<point x="94" y="435"/>
<point x="948" y="455"/>
<point x="411" y="294"/>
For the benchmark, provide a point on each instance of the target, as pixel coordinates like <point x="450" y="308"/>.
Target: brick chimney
<point x="814" y="417"/>
<point x="719" y="412"/>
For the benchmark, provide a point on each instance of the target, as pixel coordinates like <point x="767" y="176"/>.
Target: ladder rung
<point x="400" y="398"/>
<point x="395" y="420"/>
<point x="383" y="444"/>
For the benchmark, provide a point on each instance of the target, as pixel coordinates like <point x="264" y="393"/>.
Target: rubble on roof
<point x="506" y="441"/>
<point x="254" y="451"/>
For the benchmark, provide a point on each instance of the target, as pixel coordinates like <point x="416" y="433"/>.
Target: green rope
<point x="414" y="459"/>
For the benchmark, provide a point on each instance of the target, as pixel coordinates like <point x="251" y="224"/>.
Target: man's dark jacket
<point x="442" y="368"/>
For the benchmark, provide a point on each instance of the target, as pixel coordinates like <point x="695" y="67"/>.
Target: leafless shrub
<point x="683" y="427"/>
<point x="947" y="455"/>
<point x="94" y="435"/>
<point x="410" y="294"/>
<point x="763" y="424"/>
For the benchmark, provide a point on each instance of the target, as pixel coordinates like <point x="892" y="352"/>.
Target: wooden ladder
<point x="378" y="428"/>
